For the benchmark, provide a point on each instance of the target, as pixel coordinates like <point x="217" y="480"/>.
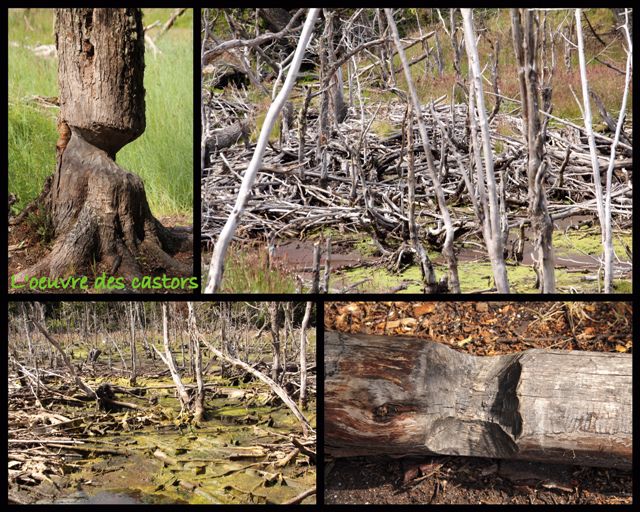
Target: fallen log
<point x="388" y="395"/>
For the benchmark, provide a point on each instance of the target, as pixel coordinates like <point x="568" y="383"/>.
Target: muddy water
<point x="223" y="461"/>
<point x="576" y="253"/>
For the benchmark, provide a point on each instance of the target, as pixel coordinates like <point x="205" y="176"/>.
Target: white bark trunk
<point x="216" y="268"/>
<point x="494" y="243"/>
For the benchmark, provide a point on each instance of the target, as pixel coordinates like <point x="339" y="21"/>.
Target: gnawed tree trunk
<point x="387" y="395"/>
<point x="99" y="211"/>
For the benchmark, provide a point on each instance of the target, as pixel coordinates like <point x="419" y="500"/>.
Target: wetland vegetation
<point x="132" y="402"/>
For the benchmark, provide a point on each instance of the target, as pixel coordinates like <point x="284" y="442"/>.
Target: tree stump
<point x="388" y="395"/>
<point x="99" y="211"/>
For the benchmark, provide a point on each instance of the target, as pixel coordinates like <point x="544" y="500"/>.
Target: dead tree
<point x="132" y="345"/>
<point x="198" y="408"/>
<point x="277" y="389"/>
<point x="99" y="211"/>
<point x="484" y="167"/>
<point x="603" y="198"/>
<point x="216" y="267"/>
<point x="526" y="47"/>
<point x="275" y="339"/>
<point x="406" y="396"/>
<point x="67" y="362"/>
<point x="167" y="359"/>
<point x="448" y="249"/>
<point x="303" y="355"/>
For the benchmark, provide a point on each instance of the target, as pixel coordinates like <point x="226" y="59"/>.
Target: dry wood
<point x="405" y="395"/>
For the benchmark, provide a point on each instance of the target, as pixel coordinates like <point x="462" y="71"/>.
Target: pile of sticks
<point x="357" y="180"/>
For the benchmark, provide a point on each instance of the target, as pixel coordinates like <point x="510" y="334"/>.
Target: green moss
<point x="588" y="242"/>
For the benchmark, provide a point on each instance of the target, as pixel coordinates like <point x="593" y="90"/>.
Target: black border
<point x="319" y="299"/>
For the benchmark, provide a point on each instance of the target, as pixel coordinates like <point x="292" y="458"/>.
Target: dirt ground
<point x="481" y="328"/>
<point x="26" y="249"/>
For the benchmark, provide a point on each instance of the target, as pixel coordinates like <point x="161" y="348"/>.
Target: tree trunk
<point x="132" y="345"/>
<point x="99" y="211"/>
<point x="409" y="396"/>
<point x="448" y="250"/>
<point x="275" y="340"/>
<point x="199" y="401"/>
<point x="167" y="358"/>
<point x="491" y="227"/>
<point x="216" y="267"/>
<point x="526" y="49"/>
<point x="303" y="355"/>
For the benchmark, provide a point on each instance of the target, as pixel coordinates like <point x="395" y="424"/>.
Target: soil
<point x="26" y="248"/>
<point x="481" y="328"/>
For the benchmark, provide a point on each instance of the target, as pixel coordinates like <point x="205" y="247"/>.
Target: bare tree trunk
<point x="526" y="50"/>
<point x="132" y="345"/>
<point x="275" y="340"/>
<point x="303" y="355"/>
<point x="493" y="237"/>
<point x="448" y="250"/>
<point x="99" y="211"/>
<point x="216" y="268"/>
<point x="603" y="202"/>
<point x="199" y="408"/>
<point x="167" y="358"/>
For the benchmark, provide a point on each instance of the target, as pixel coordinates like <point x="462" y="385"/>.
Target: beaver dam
<point x="401" y="160"/>
<point x="134" y="403"/>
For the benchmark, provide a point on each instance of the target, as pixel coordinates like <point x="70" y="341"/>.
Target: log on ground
<point x="398" y="395"/>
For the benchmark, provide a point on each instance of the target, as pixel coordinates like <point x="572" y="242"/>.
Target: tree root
<point x="100" y="214"/>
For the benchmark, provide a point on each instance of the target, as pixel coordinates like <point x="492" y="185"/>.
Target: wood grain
<point x="396" y="395"/>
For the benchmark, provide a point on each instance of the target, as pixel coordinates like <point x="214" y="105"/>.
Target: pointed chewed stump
<point x="402" y="396"/>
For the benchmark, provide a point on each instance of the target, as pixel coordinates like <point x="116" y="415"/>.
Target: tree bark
<point x="526" y="50"/>
<point x="409" y="396"/>
<point x="99" y="211"/>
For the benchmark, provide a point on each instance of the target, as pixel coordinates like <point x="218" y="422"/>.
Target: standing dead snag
<point x="216" y="267"/>
<point x="167" y="358"/>
<point x="485" y="170"/>
<point x="448" y="249"/>
<point x="526" y="47"/>
<point x="99" y="211"/>
<point x="410" y="396"/>
<point x="199" y="408"/>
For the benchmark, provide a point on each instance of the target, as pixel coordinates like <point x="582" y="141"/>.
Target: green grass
<point x="247" y="271"/>
<point x="162" y="156"/>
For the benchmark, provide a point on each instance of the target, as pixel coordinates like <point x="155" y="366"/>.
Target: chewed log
<point x="398" y="395"/>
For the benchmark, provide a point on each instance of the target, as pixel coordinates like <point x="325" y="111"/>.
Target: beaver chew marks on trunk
<point x="387" y="395"/>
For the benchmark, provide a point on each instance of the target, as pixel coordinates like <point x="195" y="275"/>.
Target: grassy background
<point x="162" y="156"/>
